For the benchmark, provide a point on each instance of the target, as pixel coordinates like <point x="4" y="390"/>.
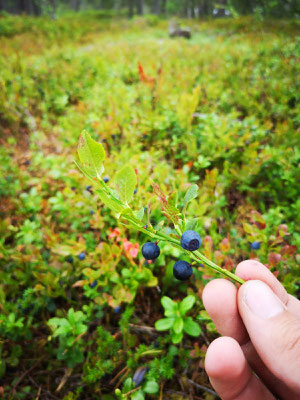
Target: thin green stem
<point x="195" y="255"/>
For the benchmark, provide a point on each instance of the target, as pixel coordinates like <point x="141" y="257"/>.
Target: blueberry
<point x="135" y="191"/>
<point x="182" y="270"/>
<point x="114" y="136"/>
<point x="92" y="212"/>
<point x="27" y="162"/>
<point x="139" y="375"/>
<point x="255" y="245"/>
<point x="150" y="251"/>
<point x="190" y="240"/>
<point x="70" y="259"/>
<point x="93" y="284"/>
<point x="73" y="188"/>
<point x="105" y="179"/>
<point x="81" y="256"/>
<point x="89" y="188"/>
<point x="117" y="310"/>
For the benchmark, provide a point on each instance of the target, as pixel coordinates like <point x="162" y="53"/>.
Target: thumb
<point x="274" y="331"/>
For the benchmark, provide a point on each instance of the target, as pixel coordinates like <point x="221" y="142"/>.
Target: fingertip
<point x="220" y="301"/>
<point x="252" y="269"/>
<point x="230" y="374"/>
<point x="225" y="359"/>
<point x="219" y="292"/>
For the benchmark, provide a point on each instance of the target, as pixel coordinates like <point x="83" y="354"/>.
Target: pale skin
<point x="260" y="324"/>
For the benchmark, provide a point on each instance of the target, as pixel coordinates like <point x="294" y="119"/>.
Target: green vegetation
<point x="81" y="309"/>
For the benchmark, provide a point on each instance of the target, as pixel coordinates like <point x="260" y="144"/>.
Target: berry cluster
<point x="182" y="270"/>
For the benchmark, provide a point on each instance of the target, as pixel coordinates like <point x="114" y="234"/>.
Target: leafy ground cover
<point x="78" y="301"/>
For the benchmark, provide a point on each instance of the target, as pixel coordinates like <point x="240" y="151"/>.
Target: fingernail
<point x="261" y="300"/>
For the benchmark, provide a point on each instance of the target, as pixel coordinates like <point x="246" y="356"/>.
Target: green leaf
<point x="140" y="213"/>
<point x="128" y="385"/>
<point x="191" y="224"/>
<point x="172" y="199"/>
<point x="125" y="183"/>
<point x="91" y="154"/>
<point x="164" y="324"/>
<point x="191" y="327"/>
<point x="178" y="325"/>
<point x="127" y="212"/>
<point x="110" y="202"/>
<point x="139" y="395"/>
<point x="177" y="337"/>
<point x="191" y="194"/>
<point x="167" y="303"/>
<point x="186" y="304"/>
<point x="151" y="387"/>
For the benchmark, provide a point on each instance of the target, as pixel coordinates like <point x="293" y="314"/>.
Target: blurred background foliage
<point x="78" y="302"/>
<point x="183" y="8"/>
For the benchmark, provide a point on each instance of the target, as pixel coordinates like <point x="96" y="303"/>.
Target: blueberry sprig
<point x="90" y="160"/>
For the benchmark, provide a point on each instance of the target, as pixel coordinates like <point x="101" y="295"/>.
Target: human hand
<point x="260" y="322"/>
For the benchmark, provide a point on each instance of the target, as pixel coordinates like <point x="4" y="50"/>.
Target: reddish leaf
<point x="143" y="77"/>
<point x="289" y="250"/>
<point x="208" y="243"/>
<point x="228" y="264"/>
<point x="282" y="230"/>
<point x="257" y="219"/>
<point x="274" y="259"/>
<point x="219" y="257"/>
<point x="167" y="208"/>
<point x="225" y="245"/>
<point x="80" y="283"/>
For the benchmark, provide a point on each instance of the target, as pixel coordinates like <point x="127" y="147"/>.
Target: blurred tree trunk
<point x="29" y="7"/>
<point x="53" y="8"/>
<point x="2" y="5"/>
<point x="192" y="8"/>
<point x="155" y="7"/>
<point x="139" y="7"/>
<point x="75" y="4"/>
<point x="163" y="7"/>
<point x="204" y="7"/>
<point x="220" y="10"/>
<point x="37" y="9"/>
<point x="130" y="8"/>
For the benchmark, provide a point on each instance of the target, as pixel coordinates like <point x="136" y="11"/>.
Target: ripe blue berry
<point x="190" y="240"/>
<point x="81" y="256"/>
<point x="139" y="375"/>
<point x="255" y="245"/>
<point x="93" y="284"/>
<point x="92" y="212"/>
<point x="105" y="179"/>
<point x="117" y="309"/>
<point x="70" y="259"/>
<point x="135" y="191"/>
<point x="89" y="188"/>
<point x="182" y="270"/>
<point x="150" y="251"/>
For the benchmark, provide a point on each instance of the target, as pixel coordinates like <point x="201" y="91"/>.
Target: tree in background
<point x="184" y="8"/>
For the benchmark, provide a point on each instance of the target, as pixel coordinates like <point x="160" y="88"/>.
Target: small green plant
<point x="91" y="156"/>
<point x="176" y="320"/>
<point x="70" y="331"/>
<point x="11" y="326"/>
<point x="136" y="393"/>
